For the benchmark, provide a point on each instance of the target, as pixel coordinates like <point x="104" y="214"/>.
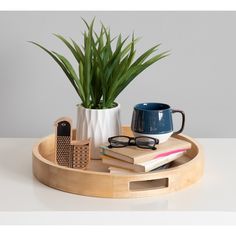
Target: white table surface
<point x="24" y="200"/>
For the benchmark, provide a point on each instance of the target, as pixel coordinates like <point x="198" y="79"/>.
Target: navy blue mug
<point x="155" y="120"/>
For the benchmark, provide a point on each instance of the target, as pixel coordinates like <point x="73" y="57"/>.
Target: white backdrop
<point x="198" y="77"/>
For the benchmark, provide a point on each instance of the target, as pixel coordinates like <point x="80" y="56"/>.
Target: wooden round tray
<point x="98" y="182"/>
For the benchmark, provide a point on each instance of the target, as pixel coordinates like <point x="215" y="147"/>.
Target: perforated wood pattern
<point x="63" y="150"/>
<point x="79" y="156"/>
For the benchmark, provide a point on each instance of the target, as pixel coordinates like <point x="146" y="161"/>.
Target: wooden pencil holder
<point x="80" y="154"/>
<point x="97" y="181"/>
<point x="69" y="151"/>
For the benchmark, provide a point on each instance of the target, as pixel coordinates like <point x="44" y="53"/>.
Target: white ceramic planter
<point x="99" y="125"/>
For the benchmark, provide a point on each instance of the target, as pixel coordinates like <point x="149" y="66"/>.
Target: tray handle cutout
<point x="145" y="185"/>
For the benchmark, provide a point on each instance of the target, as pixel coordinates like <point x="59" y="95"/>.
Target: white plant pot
<point x="99" y="125"/>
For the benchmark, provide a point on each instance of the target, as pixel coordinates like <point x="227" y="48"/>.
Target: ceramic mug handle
<point x="183" y="121"/>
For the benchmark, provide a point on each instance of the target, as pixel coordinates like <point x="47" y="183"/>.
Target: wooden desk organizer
<point x="98" y="182"/>
<point x="69" y="151"/>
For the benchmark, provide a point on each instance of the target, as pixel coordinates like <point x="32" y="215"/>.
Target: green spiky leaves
<point x="106" y="66"/>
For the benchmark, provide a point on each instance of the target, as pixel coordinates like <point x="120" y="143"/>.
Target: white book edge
<point x="117" y="170"/>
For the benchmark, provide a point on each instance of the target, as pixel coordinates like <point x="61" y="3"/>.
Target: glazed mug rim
<point x="153" y="103"/>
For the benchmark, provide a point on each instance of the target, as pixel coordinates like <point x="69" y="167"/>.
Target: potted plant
<point x="106" y="66"/>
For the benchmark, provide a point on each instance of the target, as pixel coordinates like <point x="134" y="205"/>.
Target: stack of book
<point x="134" y="159"/>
